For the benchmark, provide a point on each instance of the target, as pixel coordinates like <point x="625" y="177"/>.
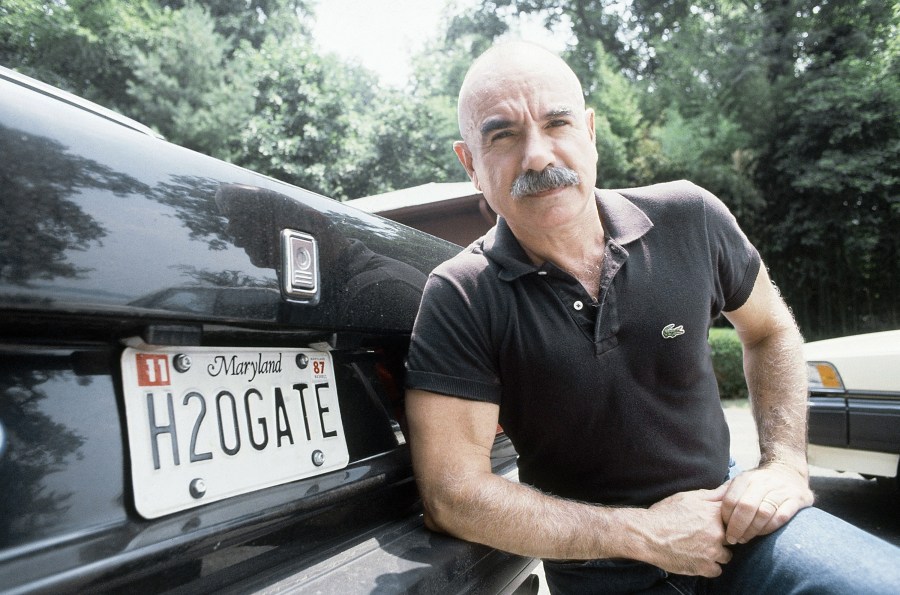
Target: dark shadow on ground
<point x="865" y="503"/>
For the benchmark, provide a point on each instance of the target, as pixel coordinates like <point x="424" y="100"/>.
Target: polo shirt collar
<point x="623" y="223"/>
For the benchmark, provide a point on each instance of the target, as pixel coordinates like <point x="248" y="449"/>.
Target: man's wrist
<point x="796" y="464"/>
<point x="632" y="534"/>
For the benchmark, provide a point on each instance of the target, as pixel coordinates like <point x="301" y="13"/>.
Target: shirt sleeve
<point x="735" y="258"/>
<point x="450" y="351"/>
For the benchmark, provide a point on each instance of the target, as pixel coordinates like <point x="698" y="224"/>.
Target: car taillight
<point x="389" y="370"/>
<point x="823" y="376"/>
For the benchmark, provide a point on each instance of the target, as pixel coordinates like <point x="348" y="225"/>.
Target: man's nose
<point x="537" y="151"/>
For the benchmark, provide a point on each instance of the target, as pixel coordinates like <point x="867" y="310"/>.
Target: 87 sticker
<point x="319" y="369"/>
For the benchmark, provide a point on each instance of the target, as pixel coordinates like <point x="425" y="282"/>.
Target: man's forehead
<point x="505" y="84"/>
<point x="505" y="106"/>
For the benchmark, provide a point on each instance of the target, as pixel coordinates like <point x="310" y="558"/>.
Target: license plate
<point x="205" y="424"/>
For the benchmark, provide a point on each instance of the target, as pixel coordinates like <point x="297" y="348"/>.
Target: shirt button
<point x="542" y="272"/>
<point x="578" y="305"/>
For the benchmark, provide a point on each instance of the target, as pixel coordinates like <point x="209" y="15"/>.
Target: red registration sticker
<point x="152" y="369"/>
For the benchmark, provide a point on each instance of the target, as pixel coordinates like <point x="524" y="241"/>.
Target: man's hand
<point x="690" y="533"/>
<point x="760" y="501"/>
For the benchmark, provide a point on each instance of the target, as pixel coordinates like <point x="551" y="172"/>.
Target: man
<point x="579" y="324"/>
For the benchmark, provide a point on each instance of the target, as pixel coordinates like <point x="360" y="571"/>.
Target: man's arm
<point x="451" y="442"/>
<point x="762" y="500"/>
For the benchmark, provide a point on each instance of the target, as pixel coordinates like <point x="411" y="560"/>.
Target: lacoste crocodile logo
<point x="671" y="331"/>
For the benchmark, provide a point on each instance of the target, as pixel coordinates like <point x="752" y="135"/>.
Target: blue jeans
<point x="814" y="553"/>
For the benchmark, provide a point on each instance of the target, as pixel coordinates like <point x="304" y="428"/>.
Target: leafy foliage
<point x="307" y="118"/>
<point x="728" y="363"/>
<point x="411" y="142"/>
<point x="786" y="109"/>
<point x="181" y="82"/>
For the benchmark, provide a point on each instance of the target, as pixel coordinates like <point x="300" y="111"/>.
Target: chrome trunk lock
<point x="300" y="266"/>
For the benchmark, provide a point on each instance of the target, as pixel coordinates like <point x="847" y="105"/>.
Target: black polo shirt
<point x="611" y="401"/>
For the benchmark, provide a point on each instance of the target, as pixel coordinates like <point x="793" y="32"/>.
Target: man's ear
<point x="465" y="157"/>
<point x="589" y="122"/>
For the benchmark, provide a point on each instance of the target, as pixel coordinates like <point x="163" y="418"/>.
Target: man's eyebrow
<point x="558" y="112"/>
<point x="494" y="124"/>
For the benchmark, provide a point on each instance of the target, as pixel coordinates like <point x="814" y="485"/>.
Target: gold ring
<point x="772" y="502"/>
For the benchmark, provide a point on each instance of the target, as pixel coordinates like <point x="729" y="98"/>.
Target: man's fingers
<point x="733" y="495"/>
<point x="739" y="507"/>
<point x="783" y="514"/>
<point x="760" y="501"/>
<point x="750" y="513"/>
<point x="772" y="511"/>
<point x="765" y="513"/>
<point x="691" y="532"/>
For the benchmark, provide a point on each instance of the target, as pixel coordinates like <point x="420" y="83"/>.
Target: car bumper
<point x="398" y="557"/>
<point x="864" y="462"/>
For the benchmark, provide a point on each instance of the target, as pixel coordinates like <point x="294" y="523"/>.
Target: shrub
<point x="728" y="363"/>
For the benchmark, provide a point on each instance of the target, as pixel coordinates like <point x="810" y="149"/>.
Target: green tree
<point x="309" y="118"/>
<point x="235" y="79"/>
<point x="834" y="183"/>
<point x="167" y="68"/>
<point x="184" y="84"/>
<point x="77" y="45"/>
<point x="252" y="21"/>
<point x="712" y="151"/>
<point x="622" y="133"/>
<point x="412" y="143"/>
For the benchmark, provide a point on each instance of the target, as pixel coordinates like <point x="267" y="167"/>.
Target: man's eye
<point x="557" y="123"/>
<point x="501" y="135"/>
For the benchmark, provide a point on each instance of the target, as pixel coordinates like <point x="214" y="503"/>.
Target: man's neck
<point x="577" y="249"/>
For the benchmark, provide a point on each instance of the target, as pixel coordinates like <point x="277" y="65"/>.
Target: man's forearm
<point x="776" y="376"/>
<point x="519" y="519"/>
<point x="761" y="500"/>
<point x="682" y="534"/>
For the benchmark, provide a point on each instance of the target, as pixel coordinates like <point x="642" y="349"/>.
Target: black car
<point x="201" y="374"/>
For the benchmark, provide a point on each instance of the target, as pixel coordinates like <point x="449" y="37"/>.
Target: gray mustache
<point x="532" y="182"/>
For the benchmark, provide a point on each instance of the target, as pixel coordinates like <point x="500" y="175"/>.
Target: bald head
<point x="512" y="65"/>
<point x="529" y="143"/>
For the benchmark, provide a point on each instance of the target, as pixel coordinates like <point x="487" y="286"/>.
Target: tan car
<point x="854" y="404"/>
